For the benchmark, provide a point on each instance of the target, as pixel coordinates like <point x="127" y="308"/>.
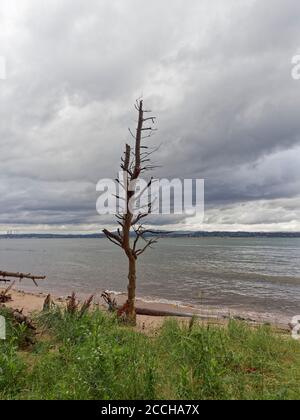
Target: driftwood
<point x="20" y="276"/>
<point x="121" y="310"/>
<point x="20" y="318"/>
<point x="4" y="296"/>
<point x="17" y="315"/>
<point x="158" y="312"/>
<point x="111" y="302"/>
<point x="155" y="312"/>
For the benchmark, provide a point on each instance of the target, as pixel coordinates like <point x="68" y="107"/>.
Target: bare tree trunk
<point x="128" y="221"/>
<point x="131" y="290"/>
<point x="130" y="305"/>
<point x="135" y="162"/>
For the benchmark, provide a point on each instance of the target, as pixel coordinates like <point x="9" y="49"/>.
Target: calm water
<point x="252" y="274"/>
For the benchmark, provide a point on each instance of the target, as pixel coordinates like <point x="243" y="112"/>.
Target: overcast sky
<point x="216" y="73"/>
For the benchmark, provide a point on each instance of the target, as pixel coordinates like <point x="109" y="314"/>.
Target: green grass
<point x="96" y="358"/>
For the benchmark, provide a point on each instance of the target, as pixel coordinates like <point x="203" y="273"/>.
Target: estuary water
<point x="261" y="275"/>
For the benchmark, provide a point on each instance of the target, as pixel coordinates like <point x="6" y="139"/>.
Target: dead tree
<point x="135" y="162"/>
<point x="5" y="277"/>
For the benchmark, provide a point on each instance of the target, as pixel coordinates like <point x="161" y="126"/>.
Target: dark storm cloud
<point x="217" y="74"/>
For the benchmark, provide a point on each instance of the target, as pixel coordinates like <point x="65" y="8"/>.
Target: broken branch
<point x="20" y="276"/>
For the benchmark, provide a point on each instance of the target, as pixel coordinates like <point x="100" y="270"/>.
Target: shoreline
<point x="32" y="302"/>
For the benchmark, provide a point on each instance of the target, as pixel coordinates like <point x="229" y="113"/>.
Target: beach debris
<point x="19" y="317"/>
<point x="110" y="301"/>
<point x="167" y="313"/>
<point x="4" y="296"/>
<point x="5" y="275"/>
<point x="122" y="311"/>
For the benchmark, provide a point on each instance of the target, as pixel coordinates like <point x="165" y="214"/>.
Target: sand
<point x="33" y="302"/>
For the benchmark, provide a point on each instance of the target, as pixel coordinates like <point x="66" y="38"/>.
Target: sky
<point x="217" y="74"/>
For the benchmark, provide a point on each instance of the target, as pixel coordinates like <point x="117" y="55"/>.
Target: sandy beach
<point x="33" y="302"/>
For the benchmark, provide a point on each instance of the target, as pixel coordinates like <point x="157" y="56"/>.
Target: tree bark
<point x="131" y="291"/>
<point x="128" y="223"/>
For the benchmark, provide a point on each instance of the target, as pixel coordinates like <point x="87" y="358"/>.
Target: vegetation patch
<point x="91" y="356"/>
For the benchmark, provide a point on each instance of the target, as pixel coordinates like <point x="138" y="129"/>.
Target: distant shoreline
<point x="177" y="235"/>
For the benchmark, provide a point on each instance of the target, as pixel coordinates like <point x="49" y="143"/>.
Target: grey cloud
<point x="217" y="74"/>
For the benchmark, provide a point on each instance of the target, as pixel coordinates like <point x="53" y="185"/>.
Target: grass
<point x="93" y="357"/>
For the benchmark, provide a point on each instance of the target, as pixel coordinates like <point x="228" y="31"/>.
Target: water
<point x="261" y="275"/>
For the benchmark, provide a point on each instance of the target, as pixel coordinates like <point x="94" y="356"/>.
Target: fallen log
<point x="158" y="312"/>
<point x="19" y="317"/>
<point x="20" y="276"/>
<point x="155" y="312"/>
<point x="121" y="310"/>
